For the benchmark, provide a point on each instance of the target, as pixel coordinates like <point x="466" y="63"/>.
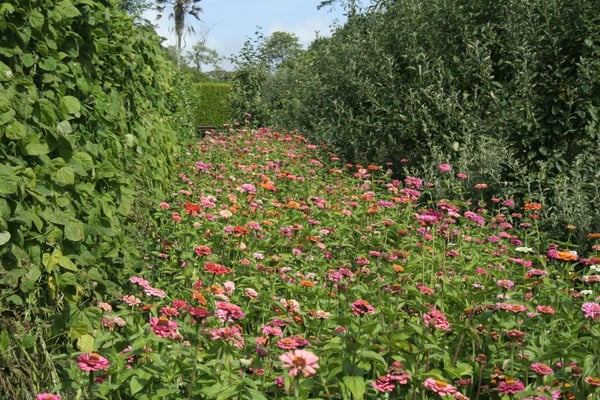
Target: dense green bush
<point x="212" y="108"/>
<point x="86" y="135"/>
<point x="508" y="92"/>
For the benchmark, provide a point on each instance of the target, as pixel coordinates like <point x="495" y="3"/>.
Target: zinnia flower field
<point x="278" y="272"/>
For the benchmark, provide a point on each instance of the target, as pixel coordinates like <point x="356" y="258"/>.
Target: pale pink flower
<point x="131" y="300"/>
<point x="300" y="361"/>
<point x="231" y="334"/>
<point x="439" y="387"/>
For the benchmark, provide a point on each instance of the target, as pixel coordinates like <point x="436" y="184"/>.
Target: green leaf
<point x="28" y="59"/>
<point x="16" y="130"/>
<point x="85" y="343"/>
<point x="86" y="160"/>
<point x="49" y="261"/>
<point x="66" y="263"/>
<point x="36" y="19"/>
<point x="65" y="176"/>
<point x="6" y="73"/>
<point x="48" y="64"/>
<point x="67" y="279"/>
<point x="8" y="180"/>
<point x="67" y="9"/>
<point x="4" y="237"/>
<point x="356" y="385"/>
<point x="6" y="117"/>
<point x="64" y="128"/>
<point x="135" y="385"/>
<point x="74" y="230"/>
<point x="70" y="105"/>
<point x="37" y="149"/>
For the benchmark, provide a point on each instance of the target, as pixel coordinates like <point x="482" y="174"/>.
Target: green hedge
<point x="212" y="103"/>
<point x="86" y="137"/>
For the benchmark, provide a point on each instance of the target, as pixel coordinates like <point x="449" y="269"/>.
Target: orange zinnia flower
<point x="592" y="236"/>
<point x="566" y="256"/>
<point x="533" y="206"/>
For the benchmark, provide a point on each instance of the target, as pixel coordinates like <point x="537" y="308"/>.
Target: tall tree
<point x="202" y="55"/>
<point x="279" y="47"/>
<point x="178" y="10"/>
<point x="135" y="8"/>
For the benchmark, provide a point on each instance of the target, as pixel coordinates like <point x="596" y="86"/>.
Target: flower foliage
<point x="289" y="275"/>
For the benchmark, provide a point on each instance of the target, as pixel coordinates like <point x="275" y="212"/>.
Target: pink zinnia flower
<point x="231" y="334"/>
<point x="437" y="319"/>
<point x="439" y="387"/>
<point x="300" y="361"/>
<point x="505" y="283"/>
<point x="541" y="369"/>
<point x="228" y="311"/>
<point x="511" y="386"/>
<point x="92" y="362"/>
<point x="164" y="327"/>
<point x="445" y="167"/>
<point x="591" y="310"/>
<point x="47" y="396"/>
<point x="545" y="309"/>
<point x="360" y="307"/>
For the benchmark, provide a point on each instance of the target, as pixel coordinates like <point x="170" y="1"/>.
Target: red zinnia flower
<point x="216" y="269"/>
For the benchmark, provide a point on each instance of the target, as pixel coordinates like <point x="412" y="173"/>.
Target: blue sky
<point x="227" y="24"/>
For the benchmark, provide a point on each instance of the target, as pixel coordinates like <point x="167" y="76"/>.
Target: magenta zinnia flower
<point x="47" y="396"/>
<point x="510" y="386"/>
<point x="591" y="310"/>
<point x="92" y="362"/>
<point x="300" y="361"/>
<point x="541" y="369"/>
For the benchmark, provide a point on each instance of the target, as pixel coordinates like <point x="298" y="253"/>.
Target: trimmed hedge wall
<point x="212" y="103"/>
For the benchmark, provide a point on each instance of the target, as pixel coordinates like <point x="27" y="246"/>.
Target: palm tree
<point x="178" y="9"/>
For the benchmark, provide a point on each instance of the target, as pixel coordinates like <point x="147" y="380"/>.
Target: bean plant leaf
<point x="4" y="237"/>
<point x="67" y="264"/>
<point x="74" y="231"/>
<point x="8" y="181"/>
<point x="65" y="176"/>
<point x="16" y="131"/>
<point x="7" y="116"/>
<point x="36" y="19"/>
<point x="70" y="105"/>
<point x="37" y="149"/>
<point x="67" y="9"/>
